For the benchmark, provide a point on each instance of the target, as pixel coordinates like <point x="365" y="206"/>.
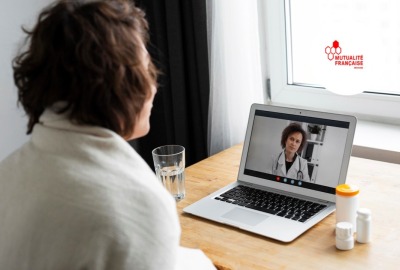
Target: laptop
<point x="282" y="200"/>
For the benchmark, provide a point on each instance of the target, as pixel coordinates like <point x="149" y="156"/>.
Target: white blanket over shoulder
<point x="79" y="197"/>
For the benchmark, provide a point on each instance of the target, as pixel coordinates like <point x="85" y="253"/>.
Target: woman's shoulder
<point x="133" y="186"/>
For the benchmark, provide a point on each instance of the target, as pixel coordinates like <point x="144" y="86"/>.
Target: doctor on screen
<point x="288" y="163"/>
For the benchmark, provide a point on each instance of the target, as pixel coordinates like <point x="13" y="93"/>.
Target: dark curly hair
<point x="88" y="54"/>
<point x="292" y="128"/>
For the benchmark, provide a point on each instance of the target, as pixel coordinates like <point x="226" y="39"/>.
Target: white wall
<point x="331" y="156"/>
<point x="13" y="14"/>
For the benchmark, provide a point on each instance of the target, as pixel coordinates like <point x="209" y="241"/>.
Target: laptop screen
<point x="302" y="151"/>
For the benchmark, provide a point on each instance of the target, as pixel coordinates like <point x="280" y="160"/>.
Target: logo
<point x="344" y="60"/>
<point x="335" y="49"/>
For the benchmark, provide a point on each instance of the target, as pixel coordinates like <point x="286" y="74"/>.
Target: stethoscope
<point x="300" y="174"/>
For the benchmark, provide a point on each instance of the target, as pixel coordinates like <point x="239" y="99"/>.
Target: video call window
<point x="315" y="166"/>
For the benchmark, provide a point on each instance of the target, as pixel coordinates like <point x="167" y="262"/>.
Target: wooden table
<point x="231" y="248"/>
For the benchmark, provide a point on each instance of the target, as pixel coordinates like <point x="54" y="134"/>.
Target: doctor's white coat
<point x="279" y="167"/>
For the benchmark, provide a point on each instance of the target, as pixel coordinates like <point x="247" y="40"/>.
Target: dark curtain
<point x="178" y="35"/>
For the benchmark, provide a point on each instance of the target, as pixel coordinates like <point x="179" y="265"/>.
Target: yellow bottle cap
<point x="347" y="190"/>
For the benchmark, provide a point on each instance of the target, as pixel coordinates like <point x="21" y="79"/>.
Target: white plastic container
<point x="344" y="236"/>
<point x="347" y="204"/>
<point x="363" y="225"/>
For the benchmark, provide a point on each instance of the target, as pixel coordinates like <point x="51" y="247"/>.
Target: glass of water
<point x="169" y="163"/>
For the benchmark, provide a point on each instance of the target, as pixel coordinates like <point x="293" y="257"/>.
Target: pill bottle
<point x="344" y="236"/>
<point x="363" y="225"/>
<point x="347" y="204"/>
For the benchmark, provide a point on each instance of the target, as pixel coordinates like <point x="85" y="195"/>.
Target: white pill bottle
<point x="347" y="204"/>
<point x="344" y="236"/>
<point x="363" y="225"/>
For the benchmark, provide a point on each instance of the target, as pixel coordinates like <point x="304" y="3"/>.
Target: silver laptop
<point x="292" y="161"/>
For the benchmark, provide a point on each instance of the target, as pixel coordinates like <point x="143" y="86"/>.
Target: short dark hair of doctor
<point x="292" y="128"/>
<point x="88" y="54"/>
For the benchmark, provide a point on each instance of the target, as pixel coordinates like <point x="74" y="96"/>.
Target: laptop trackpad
<point x="244" y="216"/>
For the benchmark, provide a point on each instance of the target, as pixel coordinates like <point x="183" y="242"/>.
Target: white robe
<point x="80" y="197"/>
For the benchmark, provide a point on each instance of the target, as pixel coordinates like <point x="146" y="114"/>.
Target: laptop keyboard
<point x="271" y="203"/>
